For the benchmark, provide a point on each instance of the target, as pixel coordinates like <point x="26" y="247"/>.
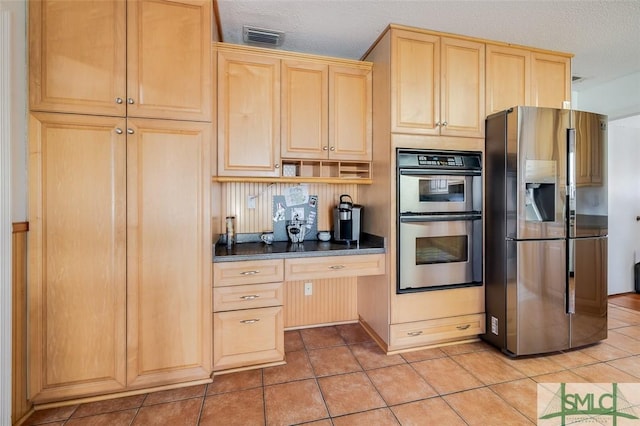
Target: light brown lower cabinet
<point x="421" y="333"/>
<point x="119" y="293"/>
<point x="247" y="337"/>
<point x="248" y="326"/>
<point x="248" y="318"/>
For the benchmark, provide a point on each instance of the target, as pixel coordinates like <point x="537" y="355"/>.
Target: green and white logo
<point x="588" y="403"/>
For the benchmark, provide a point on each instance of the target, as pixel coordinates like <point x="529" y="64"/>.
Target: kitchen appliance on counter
<point x="439" y="219"/>
<point x="546" y="234"/>
<point x="347" y="220"/>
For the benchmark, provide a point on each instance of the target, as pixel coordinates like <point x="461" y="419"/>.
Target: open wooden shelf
<point x="323" y="171"/>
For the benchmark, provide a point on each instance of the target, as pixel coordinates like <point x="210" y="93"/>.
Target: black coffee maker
<point x="347" y="220"/>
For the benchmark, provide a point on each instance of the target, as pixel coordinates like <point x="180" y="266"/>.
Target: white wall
<point x="624" y="203"/>
<point x="618" y="98"/>
<point x="18" y="101"/>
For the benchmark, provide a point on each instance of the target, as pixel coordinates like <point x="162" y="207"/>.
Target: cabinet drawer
<point x="435" y="331"/>
<point x="253" y="272"/>
<point x="247" y="296"/>
<point x="247" y="337"/>
<point x="333" y="267"/>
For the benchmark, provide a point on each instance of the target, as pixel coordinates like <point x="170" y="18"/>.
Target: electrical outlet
<point x="251" y="202"/>
<point x="308" y="289"/>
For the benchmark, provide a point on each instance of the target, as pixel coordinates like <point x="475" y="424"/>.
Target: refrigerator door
<point x="587" y="175"/>
<point x="536" y="159"/>
<point x="588" y="290"/>
<point x="537" y="321"/>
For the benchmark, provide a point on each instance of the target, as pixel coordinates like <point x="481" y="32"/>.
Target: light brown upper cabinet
<point x="326" y="111"/>
<point x="437" y="85"/>
<point x="550" y="80"/>
<point x="508" y="77"/>
<point x="140" y="58"/>
<point x="518" y="76"/>
<point x="248" y="114"/>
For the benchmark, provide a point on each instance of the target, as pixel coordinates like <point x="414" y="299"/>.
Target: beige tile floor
<point x="338" y="376"/>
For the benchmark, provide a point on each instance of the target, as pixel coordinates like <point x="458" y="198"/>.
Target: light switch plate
<point x="308" y="289"/>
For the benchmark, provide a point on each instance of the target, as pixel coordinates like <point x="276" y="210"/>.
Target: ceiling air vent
<point x="262" y="36"/>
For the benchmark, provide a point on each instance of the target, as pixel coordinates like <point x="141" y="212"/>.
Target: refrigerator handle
<point x="571" y="220"/>
<point x="571" y="182"/>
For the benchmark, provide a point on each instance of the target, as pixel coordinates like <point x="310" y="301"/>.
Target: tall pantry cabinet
<point x="119" y="287"/>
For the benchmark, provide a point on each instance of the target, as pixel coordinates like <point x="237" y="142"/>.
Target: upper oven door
<point x="424" y="192"/>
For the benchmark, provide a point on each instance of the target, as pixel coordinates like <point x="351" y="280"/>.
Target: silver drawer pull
<point x="249" y="272"/>
<point x="463" y="327"/>
<point x="414" y="333"/>
<point x="250" y="321"/>
<point x="249" y="297"/>
<point x="336" y="267"/>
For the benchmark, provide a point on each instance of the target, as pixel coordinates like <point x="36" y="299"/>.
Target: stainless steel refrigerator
<point x="545" y="229"/>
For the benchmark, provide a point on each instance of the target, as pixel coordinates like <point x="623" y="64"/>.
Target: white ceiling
<point x="604" y="35"/>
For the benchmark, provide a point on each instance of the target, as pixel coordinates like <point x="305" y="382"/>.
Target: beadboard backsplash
<point x="233" y="199"/>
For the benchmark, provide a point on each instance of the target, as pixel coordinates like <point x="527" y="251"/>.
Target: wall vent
<point x="262" y="36"/>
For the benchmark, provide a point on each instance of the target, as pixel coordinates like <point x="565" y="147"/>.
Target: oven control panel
<point x="440" y="160"/>
<point x="424" y="159"/>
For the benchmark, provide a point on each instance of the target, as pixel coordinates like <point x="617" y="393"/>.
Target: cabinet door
<point x="462" y="88"/>
<point x="415" y="83"/>
<point x="77" y="57"/>
<point x="550" y="80"/>
<point x="168" y="252"/>
<point x="248" y="115"/>
<point x="169" y="59"/>
<point x="350" y="104"/>
<point x="77" y="256"/>
<point x="508" y="78"/>
<point x="248" y="337"/>
<point x="305" y="109"/>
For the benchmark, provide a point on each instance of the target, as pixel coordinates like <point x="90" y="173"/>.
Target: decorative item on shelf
<point x="231" y="235"/>
<point x="296" y="229"/>
<point x="324" y="236"/>
<point x="267" y="237"/>
<point x="289" y="170"/>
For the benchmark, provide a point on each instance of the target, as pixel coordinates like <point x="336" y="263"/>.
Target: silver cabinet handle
<point x="445" y="123"/>
<point x="336" y="267"/>
<point x="414" y="333"/>
<point x="130" y="101"/>
<point x="437" y="124"/>
<point x="250" y="272"/>
<point x="277" y="166"/>
<point x="118" y="130"/>
<point x="333" y="148"/>
<point x="463" y="327"/>
<point x="325" y="148"/>
<point x="250" y="321"/>
<point x="130" y="131"/>
<point x="249" y="297"/>
<point x="119" y="100"/>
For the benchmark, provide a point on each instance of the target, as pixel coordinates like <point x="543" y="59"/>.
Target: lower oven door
<point x="437" y="252"/>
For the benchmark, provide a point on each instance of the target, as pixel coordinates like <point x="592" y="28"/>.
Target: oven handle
<point x="436" y="172"/>
<point x="440" y="218"/>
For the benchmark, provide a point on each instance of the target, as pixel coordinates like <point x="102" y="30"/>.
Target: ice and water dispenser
<point x="540" y="195"/>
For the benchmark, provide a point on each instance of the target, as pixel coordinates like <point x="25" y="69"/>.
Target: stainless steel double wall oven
<point x="439" y="212"/>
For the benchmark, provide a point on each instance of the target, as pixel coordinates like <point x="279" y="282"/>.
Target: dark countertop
<point x="591" y="225"/>
<point x="253" y="250"/>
